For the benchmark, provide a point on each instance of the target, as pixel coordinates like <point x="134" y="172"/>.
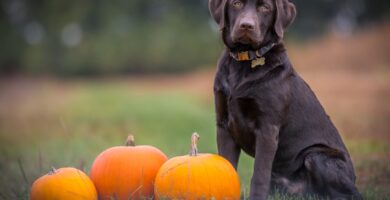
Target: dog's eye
<point x="237" y="4"/>
<point x="264" y="8"/>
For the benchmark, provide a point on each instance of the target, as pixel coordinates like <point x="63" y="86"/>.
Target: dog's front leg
<point x="227" y="148"/>
<point x="266" y="146"/>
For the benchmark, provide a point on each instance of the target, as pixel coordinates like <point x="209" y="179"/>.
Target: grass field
<point x="47" y="122"/>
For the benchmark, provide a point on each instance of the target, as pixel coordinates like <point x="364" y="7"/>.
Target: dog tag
<point x="257" y="62"/>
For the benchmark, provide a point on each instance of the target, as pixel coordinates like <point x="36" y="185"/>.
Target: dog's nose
<point x="247" y="23"/>
<point x="246" y="26"/>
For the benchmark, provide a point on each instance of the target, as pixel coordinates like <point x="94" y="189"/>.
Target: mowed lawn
<point x="46" y="123"/>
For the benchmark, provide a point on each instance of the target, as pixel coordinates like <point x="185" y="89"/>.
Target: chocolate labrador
<point x="265" y="108"/>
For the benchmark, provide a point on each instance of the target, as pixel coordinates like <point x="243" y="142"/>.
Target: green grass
<point x="72" y="129"/>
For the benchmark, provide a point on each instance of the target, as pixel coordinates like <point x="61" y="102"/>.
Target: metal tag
<point x="258" y="61"/>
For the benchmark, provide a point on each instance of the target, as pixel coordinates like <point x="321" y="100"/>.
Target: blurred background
<point x="77" y="76"/>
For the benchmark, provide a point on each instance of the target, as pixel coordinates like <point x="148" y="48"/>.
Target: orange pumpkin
<point x="127" y="172"/>
<point x="197" y="176"/>
<point x="63" y="184"/>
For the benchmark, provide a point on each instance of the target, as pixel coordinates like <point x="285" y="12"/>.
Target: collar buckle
<point x="243" y="56"/>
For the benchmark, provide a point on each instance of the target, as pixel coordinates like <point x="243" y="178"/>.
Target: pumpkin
<point x="197" y="176"/>
<point x="127" y="172"/>
<point x="63" y="184"/>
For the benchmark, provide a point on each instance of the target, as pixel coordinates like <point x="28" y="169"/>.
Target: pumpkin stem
<point x="194" y="140"/>
<point x="52" y="171"/>
<point x="130" y="140"/>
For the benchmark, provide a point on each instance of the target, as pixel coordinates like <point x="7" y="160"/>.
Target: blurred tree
<point x="114" y="37"/>
<point x="315" y="17"/>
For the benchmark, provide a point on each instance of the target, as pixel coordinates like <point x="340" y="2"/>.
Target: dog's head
<point x="252" y="23"/>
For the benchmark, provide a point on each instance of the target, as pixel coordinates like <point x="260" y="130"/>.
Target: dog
<point x="266" y="109"/>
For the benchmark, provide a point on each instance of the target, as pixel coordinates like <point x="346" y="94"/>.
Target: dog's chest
<point x="242" y="122"/>
<point x="244" y="103"/>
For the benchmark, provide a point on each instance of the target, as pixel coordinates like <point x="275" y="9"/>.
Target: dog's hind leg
<point x="331" y="175"/>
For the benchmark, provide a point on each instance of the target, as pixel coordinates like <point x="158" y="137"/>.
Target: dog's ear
<point x="217" y="10"/>
<point x="285" y="15"/>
